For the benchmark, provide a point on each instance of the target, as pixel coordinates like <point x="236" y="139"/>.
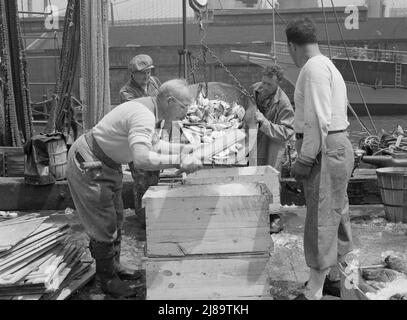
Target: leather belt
<point x="99" y="153"/>
<point x="300" y="136"/>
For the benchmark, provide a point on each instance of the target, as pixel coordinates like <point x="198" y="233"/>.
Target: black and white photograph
<point x="202" y="157"/>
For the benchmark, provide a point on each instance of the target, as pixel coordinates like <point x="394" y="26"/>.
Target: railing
<point x="379" y="55"/>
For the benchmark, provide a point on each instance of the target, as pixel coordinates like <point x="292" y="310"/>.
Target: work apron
<point x="97" y="193"/>
<point x="327" y="233"/>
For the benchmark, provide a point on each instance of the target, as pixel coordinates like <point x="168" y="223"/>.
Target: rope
<point x="61" y="119"/>
<point x="12" y="137"/>
<point x="326" y="29"/>
<point x="351" y="65"/>
<point x="95" y="61"/>
<point x="362" y="124"/>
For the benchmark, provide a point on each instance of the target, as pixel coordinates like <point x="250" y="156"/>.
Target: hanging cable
<point x="351" y="65"/>
<point x="274" y="34"/>
<point x="326" y="29"/>
<point x="278" y="13"/>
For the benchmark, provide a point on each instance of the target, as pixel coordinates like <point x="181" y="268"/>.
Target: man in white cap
<point x="142" y="83"/>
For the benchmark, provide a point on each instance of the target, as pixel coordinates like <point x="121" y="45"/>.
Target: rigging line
<point x="351" y="65"/>
<point x="358" y="119"/>
<point x="23" y="28"/>
<point x="274" y="34"/>
<point x="278" y="13"/>
<point x="326" y="29"/>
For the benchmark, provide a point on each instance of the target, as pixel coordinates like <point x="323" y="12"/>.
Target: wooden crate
<point x="267" y="175"/>
<point x="12" y="162"/>
<point x="208" y="241"/>
<point x="201" y="220"/>
<point x="222" y="278"/>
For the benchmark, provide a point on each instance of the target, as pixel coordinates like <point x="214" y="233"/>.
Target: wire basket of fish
<point x="221" y="125"/>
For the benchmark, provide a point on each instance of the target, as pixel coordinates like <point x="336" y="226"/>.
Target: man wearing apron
<point x="325" y="155"/>
<point x="95" y="176"/>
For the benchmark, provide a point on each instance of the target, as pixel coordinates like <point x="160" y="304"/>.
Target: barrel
<point x="393" y="187"/>
<point x="58" y="158"/>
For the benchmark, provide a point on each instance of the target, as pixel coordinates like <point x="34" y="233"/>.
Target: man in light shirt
<point x="325" y="156"/>
<point x="94" y="173"/>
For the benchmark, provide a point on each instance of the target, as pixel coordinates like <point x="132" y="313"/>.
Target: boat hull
<point x="381" y="101"/>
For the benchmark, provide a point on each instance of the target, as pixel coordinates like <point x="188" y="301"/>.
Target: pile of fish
<point x="388" y="282"/>
<point x="386" y="143"/>
<point x="208" y="120"/>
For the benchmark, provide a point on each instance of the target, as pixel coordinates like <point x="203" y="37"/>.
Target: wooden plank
<point x="25" y="266"/>
<point x="185" y="242"/>
<point x="34" y="238"/>
<point x="34" y="297"/>
<point x="13" y="256"/>
<point x="207" y="151"/>
<point x="225" y="278"/>
<point x="73" y="284"/>
<point x="236" y="175"/>
<point x="235" y="190"/>
<point x="13" y="233"/>
<point x="266" y="174"/>
<point x="199" y="220"/>
<point x="29" y="256"/>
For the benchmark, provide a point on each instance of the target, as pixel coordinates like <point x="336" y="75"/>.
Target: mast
<point x="184" y="38"/>
<point x="274" y="33"/>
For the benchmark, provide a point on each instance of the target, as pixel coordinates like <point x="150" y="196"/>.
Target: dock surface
<point x="373" y="238"/>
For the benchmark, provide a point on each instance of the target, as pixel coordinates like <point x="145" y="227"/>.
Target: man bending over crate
<point x="325" y="156"/>
<point x="126" y="134"/>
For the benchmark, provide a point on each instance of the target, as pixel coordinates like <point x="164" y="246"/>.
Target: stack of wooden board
<point x="208" y="241"/>
<point x="38" y="260"/>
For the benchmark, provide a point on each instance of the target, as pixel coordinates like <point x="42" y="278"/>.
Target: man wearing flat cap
<point x="141" y="84"/>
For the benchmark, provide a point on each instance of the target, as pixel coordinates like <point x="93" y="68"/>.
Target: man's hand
<point x="190" y="164"/>
<point x="187" y="149"/>
<point x="260" y="118"/>
<point x="300" y="172"/>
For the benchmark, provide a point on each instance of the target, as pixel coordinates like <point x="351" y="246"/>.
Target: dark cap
<point x="141" y="63"/>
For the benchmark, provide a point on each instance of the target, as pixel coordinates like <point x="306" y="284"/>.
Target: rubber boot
<point x="124" y="272"/>
<point x="111" y="284"/>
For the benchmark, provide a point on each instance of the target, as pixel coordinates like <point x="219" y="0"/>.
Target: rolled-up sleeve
<point x="282" y="130"/>
<point x="317" y="114"/>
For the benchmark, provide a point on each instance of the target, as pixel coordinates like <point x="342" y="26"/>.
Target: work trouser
<point x="97" y="194"/>
<point x="142" y="181"/>
<point x="327" y="234"/>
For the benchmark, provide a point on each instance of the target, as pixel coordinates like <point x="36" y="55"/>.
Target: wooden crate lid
<point x="203" y="191"/>
<point x="232" y="172"/>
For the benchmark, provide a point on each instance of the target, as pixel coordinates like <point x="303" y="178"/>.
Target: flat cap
<point x="141" y="62"/>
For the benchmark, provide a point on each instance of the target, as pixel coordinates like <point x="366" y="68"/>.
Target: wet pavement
<point x="374" y="238"/>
